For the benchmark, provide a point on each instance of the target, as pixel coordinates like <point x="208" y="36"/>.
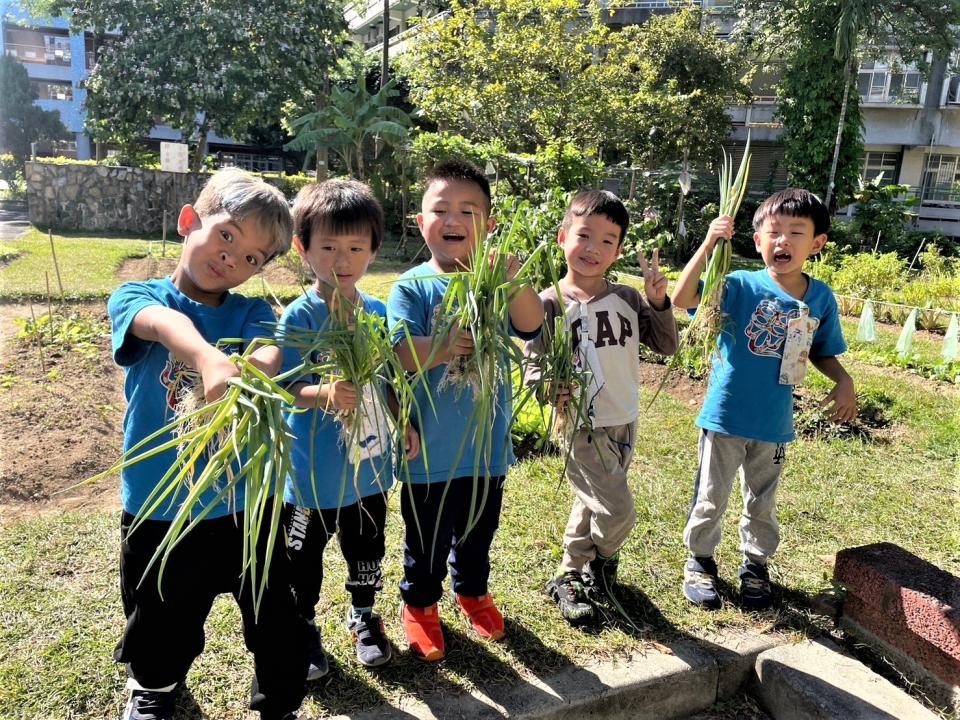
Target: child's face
<point x="219" y="253"/>
<point x="785" y="242"/>
<point x="590" y="245"/>
<point x="338" y="260"/>
<point x="454" y="213"/>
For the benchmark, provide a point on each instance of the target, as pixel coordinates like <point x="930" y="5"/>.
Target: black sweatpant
<point x="164" y="635"/>
<point x="460" y="519"/>
<point x="360" y="531"/>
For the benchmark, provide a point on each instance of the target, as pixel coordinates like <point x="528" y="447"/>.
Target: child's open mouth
<point x="450" y="237"/>
<point x="782" y="256"/>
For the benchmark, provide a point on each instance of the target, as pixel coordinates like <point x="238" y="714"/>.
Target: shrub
<point x="11" y="172"/>
<point x="61" y="160"/>
<point x="870" y="276"/>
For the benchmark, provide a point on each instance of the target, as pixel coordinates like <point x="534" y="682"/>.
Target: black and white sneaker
<point x="372" y="644"/>
<point x="319" y="665"/>
<point x="755" y="593"/>
<point x="150" y="705"/>
<point x="700" y="582"/>
<point x="602" y="577"/>
<point x="570" y="594"/>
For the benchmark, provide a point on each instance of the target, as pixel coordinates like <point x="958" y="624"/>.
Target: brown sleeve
<point x="657" y="329"/>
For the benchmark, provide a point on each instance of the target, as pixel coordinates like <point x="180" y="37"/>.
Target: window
<point x="875" y="163"/>
<point x="884" y="83"/>
<point x="941" y="179"/>
<point x="953" y="90"/>
<point x="47" y="46"/>
<point x="250" y="161"/>
<point x="52" y="90"/>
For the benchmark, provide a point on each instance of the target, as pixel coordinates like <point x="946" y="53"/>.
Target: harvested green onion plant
<point x="240" y="440"/>
<point x="559" y="367"/>
<point x="355" y="346"/>
<point x="700" y="337"/>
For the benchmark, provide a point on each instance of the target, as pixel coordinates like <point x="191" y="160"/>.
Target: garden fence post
<point x="56" y="265"/>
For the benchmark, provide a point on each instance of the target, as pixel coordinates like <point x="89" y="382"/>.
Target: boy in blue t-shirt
<point x="337" y="230"/>
<point x="458" y="519"/>
<point x="775" y="319"/>
<point x="163" y="335"/>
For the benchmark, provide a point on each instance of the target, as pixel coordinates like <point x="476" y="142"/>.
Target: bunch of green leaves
<point x="245" y="442"/>
<point x="77" y="333"/>
<point x="355" y="346"/>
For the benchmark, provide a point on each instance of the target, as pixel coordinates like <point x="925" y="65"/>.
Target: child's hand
<point x="215" y="371"/>
<point x="654" y="281"/>
<point x="412" y="443"/>
<point x="559" y="396"/>
<point x="721" y="227"/>
<point x="512" y="264"/>
<point x="339" y="395"/>
<point x="459" y="341"/>
<point x="841" y="402"/>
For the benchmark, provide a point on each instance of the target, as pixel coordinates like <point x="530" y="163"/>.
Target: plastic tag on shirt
<point x="373" y="426"/>
<point x="796" y="347"/>
<point x="589" y="358"/>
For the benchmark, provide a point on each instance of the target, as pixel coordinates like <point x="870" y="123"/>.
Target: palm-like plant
<point x="348" y="123"/>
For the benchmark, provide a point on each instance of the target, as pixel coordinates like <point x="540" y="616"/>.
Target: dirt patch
<point x="62" y="421"/>
<point x="678" y="386"/>
<point x="148" y="268"/>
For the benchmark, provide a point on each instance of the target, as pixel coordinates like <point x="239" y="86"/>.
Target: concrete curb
<point x="656" y="685"/>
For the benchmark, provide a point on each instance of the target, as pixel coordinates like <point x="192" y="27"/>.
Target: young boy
<point x="608" y="322"/>
<point x="338" y="227"/>
<point x="455" y="216"/>
<point x="774" y="319"/>
<point x="163" y="335"/>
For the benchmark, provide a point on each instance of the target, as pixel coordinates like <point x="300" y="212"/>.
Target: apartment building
<point x="59" y="60"/>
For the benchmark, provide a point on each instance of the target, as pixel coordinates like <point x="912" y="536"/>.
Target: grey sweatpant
<point x="759" y="464"/>
<point x="603" y="514"/>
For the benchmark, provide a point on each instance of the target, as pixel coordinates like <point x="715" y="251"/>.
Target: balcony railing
<point x="38" y="54"/>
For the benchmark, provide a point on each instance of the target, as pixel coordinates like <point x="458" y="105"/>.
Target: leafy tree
<point x="22" y="122"/>
<point x="533" y="73"/>
<point x="352" y="118"/>
<point x="212" y="65"/>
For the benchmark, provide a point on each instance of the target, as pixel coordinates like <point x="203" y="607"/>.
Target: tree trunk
<point x="201" y="152"/>
<point x="323" y="153"/>
<point x="385" y="54"/>
<point x="847" y="67"/>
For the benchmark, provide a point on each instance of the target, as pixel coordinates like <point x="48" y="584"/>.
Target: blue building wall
<point x="71" y="112"/>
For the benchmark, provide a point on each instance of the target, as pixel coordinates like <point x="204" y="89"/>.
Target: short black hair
<point x="795" y="202"/>
<point x="338" y="207"/>
<point x="598" y="202"/>
<point x="456" y="169"/>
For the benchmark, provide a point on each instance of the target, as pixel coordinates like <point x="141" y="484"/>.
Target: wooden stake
<point x="43" y="362"/>
<point x="163" y="246"/>
<point x="56" y="265"/>
<point x="46" y="277"/>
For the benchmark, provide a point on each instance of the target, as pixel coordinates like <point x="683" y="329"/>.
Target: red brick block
<point x="906" y="602"/>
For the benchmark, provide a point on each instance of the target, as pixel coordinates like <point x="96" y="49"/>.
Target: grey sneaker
<point x="150" y="705"/>
<point x="373" y="647"/>
<point x="755" y="593"/>
<point x="700" y="582"/>
<point x="570" y="594"/>
<point x="319" y="665"/>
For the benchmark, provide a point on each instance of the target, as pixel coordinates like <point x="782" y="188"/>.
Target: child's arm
<point x="686" y="293"/>
<point x="329" y="397"/>
<point x="843" y="397"/>
<point x="411" y="444"/>
<point x="459" y="342"/>
<point x="176" y="332"/>
<point x="526" y="307"/>
<point x="267" y="358"/>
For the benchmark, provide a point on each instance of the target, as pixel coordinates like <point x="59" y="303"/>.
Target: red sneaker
<point x="422" y="628"/>
<point x="484" y="617"/>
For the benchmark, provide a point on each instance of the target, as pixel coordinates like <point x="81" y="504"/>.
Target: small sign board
<point x="174" y="157"/>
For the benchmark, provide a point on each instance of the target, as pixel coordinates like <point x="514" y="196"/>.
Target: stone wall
<point x="100" y="197"/>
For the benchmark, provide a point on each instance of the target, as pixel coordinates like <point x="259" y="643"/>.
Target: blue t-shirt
<point x="154" y="380"/>
<point x="338" y="482"/>
<point x="745" y="397"/>
<point x="447" y="428"/>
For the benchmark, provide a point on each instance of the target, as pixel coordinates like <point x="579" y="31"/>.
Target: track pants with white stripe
<point x="759" y="465"/>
